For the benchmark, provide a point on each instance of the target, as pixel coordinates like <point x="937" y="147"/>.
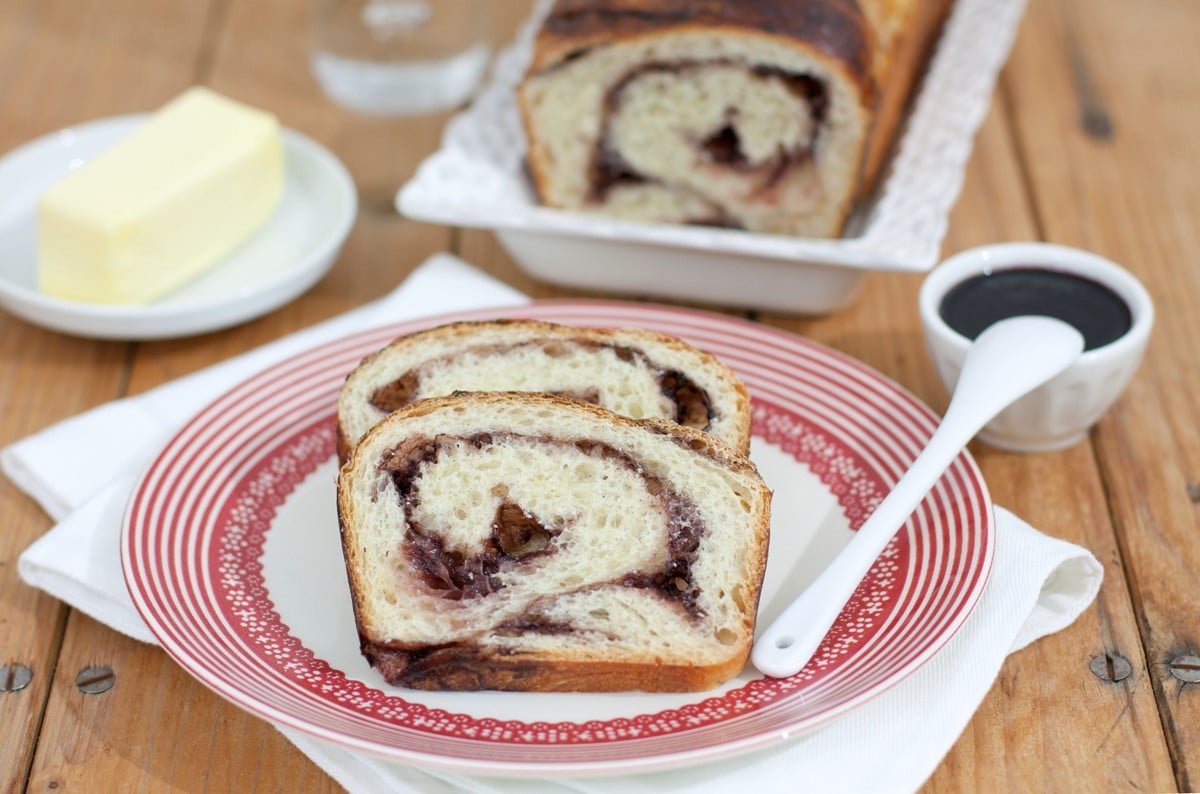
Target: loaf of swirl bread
<point x="531" y="542"/>
<point x="634" y="372"/>
<point x="765" y="115"/>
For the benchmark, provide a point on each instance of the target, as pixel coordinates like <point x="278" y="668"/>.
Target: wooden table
<point x="1091" y="141"/>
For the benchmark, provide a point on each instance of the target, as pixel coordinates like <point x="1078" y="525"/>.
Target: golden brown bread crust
<point x="463" y="666"/>
<point x="905" y="31"/>
<point x="835" y="27"/>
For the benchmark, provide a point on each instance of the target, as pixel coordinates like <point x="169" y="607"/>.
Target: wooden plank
<point x="32" y="621"/>
<point x="1048" y="723"/>
<point x="1039" y="725"/>
<point x="35" y="395"/>
<point x="52" y="58"/>
<point x="1036" y="727"/>
<point x="74" y="62"/>
<point x="134" y="736"/>
<point x="1114" y="171"/>
<point x="158" y="727"/>
<point x="1023" y="737"/>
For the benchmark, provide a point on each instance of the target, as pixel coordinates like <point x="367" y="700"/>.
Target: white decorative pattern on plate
<point x="215" y="519"/>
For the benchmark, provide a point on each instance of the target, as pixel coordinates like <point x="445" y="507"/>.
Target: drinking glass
<point x="400" y="57"/>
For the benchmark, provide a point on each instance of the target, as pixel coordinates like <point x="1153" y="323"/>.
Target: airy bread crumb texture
<point x="608" y="494"/>
<point x="619" y="369"/>
<point x="662" y="117"/>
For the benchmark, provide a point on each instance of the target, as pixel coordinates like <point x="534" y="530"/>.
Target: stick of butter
<point x="163" y="205"/>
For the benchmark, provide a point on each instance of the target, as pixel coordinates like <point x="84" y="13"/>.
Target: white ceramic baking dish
<point x="477" y="179"/>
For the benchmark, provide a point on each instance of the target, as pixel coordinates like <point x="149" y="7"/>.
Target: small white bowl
<point x="1059" y="413"/>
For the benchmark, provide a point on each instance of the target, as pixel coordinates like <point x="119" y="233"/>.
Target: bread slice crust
<point x="519" y="636"/>
<point x="679" y="367"/>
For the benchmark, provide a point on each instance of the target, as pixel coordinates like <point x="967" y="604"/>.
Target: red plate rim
<point x="866" y="429"/>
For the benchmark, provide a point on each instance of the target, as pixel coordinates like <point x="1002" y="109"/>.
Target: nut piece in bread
<point x="530" y="542"/>
<point x="765" y="115"/>
<point x="637" y="373"/>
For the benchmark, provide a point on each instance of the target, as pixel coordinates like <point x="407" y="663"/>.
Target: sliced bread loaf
<point x="771" y="116"/>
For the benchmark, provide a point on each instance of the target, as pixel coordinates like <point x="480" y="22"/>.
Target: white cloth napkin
<point x="78" y="561"/>
<point x="1038" y="585"/>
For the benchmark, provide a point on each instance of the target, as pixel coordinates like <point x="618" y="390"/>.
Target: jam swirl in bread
<point x="528" y="541"/>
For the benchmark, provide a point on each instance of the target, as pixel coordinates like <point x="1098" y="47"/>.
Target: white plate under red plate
<point x="232" y="555"/>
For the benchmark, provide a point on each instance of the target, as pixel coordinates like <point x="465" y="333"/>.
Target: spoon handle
<point x="1008" y="360"/>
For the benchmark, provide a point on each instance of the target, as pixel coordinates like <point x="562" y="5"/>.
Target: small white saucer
<point x="279" y="262"/>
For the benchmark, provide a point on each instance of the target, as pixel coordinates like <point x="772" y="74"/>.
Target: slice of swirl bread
<point x="637" y="373"/>
<point x="530" y="542"/>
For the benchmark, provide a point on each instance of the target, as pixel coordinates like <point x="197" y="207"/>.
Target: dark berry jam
<point x="1094" y="309"/>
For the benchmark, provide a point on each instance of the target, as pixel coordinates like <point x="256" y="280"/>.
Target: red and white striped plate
<point x="232" y="555"/>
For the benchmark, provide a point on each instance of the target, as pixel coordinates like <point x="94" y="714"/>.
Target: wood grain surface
<point x="1091" y="141"/>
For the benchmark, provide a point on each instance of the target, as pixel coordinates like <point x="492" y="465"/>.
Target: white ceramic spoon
<point x="1006" y="361"/>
